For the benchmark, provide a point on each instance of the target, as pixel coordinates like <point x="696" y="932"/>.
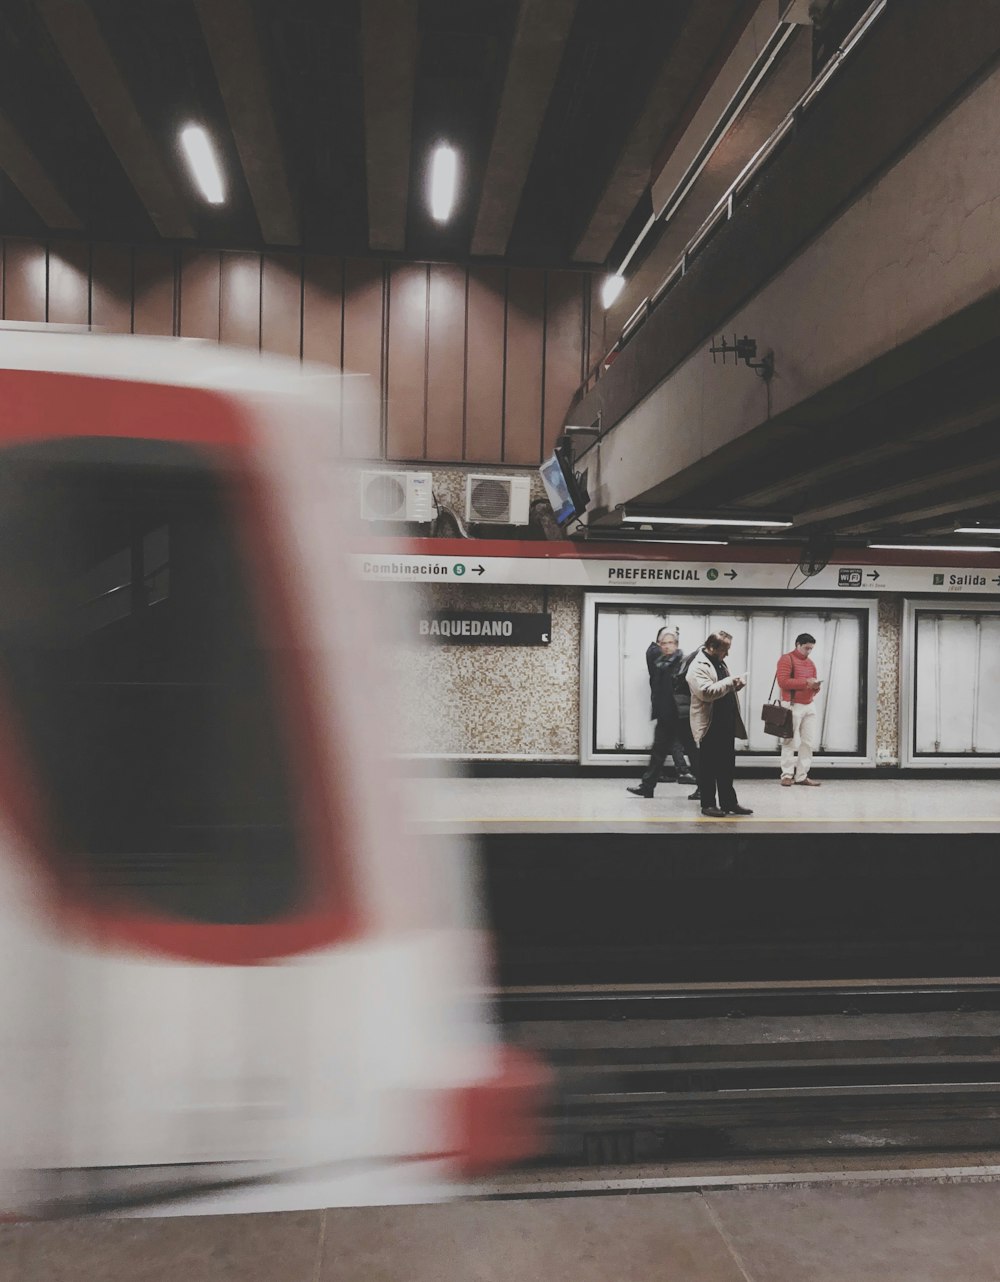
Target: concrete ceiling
<point x="325" y="111"/>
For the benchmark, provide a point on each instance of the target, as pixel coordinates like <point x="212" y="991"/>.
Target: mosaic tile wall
<point x="523" y="701"/>
<point x="496" y="701"/>
<point x="890" y="627"/>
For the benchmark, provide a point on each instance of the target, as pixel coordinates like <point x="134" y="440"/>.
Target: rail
<point x="723" y="210"/>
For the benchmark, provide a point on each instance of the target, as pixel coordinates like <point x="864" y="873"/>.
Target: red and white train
<point x="230" y="967"/>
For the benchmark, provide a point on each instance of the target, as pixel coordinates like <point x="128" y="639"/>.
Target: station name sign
<point x="484" y="627"/>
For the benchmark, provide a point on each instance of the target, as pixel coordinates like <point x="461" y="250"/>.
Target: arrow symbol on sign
<point x="730" y="574"/>
<point x="479" y="569"/>
<point x="996" y="580"/>
<point x="873" y="574"/>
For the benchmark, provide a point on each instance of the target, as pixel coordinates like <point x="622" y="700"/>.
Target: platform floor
<point x="930" y="1231"/>
<point x="482" y="805"/>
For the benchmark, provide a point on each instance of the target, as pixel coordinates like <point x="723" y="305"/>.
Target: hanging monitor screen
<point x="566" y="493"/>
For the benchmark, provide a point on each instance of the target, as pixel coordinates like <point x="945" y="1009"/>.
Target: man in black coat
<point x="664" y="709"/>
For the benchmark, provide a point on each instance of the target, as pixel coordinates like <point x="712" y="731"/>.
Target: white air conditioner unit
<point x="497" y="500"/>
<point x="396" y="496"/>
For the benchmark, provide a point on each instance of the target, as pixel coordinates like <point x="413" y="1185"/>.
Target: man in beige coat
<point x="716" y="724"/>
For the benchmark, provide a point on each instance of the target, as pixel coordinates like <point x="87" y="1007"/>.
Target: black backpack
<point x="681" y="675"/>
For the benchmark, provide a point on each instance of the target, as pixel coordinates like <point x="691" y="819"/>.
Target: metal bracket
<point x="744" y="349"/>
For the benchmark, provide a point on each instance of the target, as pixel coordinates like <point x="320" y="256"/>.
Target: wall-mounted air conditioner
<point x="396" y="496"/>
<point x="497" y="500"/>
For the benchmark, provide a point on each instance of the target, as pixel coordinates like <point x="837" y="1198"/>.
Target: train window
<point x="132" y="664"/>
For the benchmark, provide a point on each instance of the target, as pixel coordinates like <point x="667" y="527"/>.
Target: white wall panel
<point x="954" y="672"/>
<point x="615" y="714"/>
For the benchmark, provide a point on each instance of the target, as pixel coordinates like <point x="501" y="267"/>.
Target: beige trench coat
<point x="705" y="688"/>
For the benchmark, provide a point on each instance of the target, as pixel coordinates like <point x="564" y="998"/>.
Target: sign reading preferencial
<point x="485" y="627"/>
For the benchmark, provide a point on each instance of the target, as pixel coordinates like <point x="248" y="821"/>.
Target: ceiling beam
<point x="390" y="44"/>
<point x="80" y="42"/>
<point x="932" y="477"/>
<point x="25" y="171"/>
<point x="939" y="503"/>
<point x="536" y="51"/>
<point x="679" y="86"/>
<point x="230" y="31"/>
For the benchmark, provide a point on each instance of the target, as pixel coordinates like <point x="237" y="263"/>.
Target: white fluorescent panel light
<point x="705" y="520"/>
<point x="976" y="529"/>
<point x="931" y="547"/>
<point x="701" y="543"/>
<point x="612" y="287"/>
<point x="204" y="166"/>
<point x="444" y="176"/>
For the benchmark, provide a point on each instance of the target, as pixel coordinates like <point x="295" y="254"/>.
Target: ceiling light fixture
<point x="204" y="166"/>
<point x="744" y="522"/>
<point x="931" y="547"/>
<point x="444" y="178"/>
<point x="977" y="529"/>
<point x="612" y="287"/>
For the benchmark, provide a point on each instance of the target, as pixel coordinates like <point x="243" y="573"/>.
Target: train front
<point x="232" y="974"/>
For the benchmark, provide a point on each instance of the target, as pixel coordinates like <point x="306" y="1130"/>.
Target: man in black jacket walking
<point x="664" y="709"/>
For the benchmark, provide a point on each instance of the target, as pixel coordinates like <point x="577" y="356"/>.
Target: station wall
<point x="473" y="365"/>
<point x="523" y="703"/>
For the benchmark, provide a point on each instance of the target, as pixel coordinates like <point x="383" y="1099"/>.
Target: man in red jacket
<point x="797" y="681"/>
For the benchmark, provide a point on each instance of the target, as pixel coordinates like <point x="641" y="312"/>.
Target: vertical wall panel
<point x="484" y="365"/>
<point x="597" y="328"/>
<point x="563" y="350"/>
<point x="522" y="440"/>
<point x="24" y="291"/>
<point x="240" y="300"/>
<point x="281" y="304"/>
<point x="199" y="294"/>
<point x="322" y="309"/>
<point x="69" y="283"/>
<point x="406" y="368"/>
<point x="363" y="332"/>
<point x="446" y="363"/>
<point x="111" y="288"/>
<point x="155" y="290"/>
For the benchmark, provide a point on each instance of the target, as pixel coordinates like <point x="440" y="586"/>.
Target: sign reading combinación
<point x="484" y="627"/>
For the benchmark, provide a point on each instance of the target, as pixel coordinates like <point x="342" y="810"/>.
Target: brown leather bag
<point x="777" y="718"/>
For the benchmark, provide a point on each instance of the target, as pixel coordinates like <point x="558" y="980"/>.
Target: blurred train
<point x="232" y="972"/>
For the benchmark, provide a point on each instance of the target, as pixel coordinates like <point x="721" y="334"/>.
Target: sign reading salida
<point x="485" y="627"/>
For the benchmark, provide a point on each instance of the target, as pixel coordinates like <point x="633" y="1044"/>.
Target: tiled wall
<point x="497" y="701"/>
<point x="890" y="627"/>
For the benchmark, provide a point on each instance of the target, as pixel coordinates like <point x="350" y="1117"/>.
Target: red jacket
<point x="793" y="673"/>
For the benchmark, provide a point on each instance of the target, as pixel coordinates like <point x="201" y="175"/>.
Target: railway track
<point x="648" y="1074"/>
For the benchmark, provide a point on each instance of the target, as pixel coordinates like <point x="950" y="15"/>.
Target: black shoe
<point x="686" y="778"/>
<point x="713" y="812"/>
<point x="639" y="792"/>
<point x="739" y="810"/>
<point x="694" y="796"/>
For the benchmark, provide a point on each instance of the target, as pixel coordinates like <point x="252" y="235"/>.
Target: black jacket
<point x="682" y="692"/>
<point x="664" y="703"/>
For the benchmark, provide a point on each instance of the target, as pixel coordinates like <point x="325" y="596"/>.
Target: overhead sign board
<point x="595" y="572"/>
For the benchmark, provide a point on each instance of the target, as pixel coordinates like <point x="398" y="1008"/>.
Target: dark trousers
<point x="717" y="765"/>
<point x="665" y="740"/>
<point x="687" y="740"/>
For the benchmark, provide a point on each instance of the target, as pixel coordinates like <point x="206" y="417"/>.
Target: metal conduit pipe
<point x="829" y="678"/>
<point x="937" y="683"/>
<point x="975" y="687"/>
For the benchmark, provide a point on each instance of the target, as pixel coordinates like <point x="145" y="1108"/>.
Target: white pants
<point x="803" y="741"/>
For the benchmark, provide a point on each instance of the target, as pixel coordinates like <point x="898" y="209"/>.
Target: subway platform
<point x="908" y="805"/>
<point x="868" y="879"/>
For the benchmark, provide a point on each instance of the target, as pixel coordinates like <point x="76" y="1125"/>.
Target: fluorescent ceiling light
<point x="444" y="174"/>
<point x="612" y="287"/>
<point x="977" y="529"/>
<point x="706" y="520"/>
<point x="204" y="167"/>
<point x="931" y="547"/>
<point x="702" y="543"/>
